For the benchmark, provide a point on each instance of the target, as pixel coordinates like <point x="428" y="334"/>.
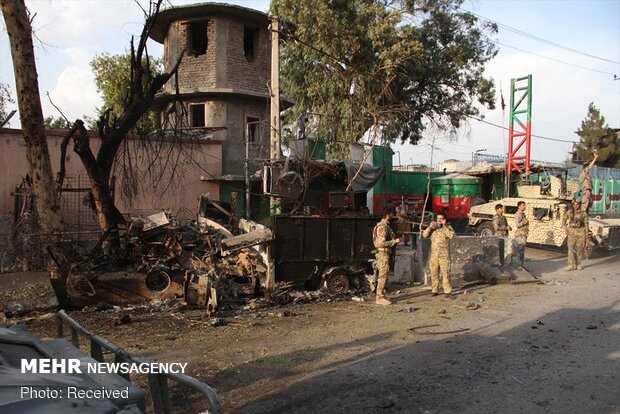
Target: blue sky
<point x="70" y="32"/>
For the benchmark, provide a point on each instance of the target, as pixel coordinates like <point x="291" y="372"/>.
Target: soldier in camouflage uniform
<point x="384" y="241"/>
<point x="522" y="226"/>
<point x="577" y="227"/>
<point x="500" y="223"/>
<point x="585" y="181"/>
<point x="440" y="233"/>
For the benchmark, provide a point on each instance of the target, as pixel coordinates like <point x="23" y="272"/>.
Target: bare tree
<point x="114" y="130"/>
<point x="29" y="103"/>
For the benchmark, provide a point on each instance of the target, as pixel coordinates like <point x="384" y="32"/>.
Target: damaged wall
<point x="195" y="160"/>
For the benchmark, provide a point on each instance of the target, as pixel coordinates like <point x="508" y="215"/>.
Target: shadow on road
<point x="567" y="362"/>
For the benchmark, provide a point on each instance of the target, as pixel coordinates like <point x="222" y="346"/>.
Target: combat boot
<point x="383" y="301"/>
<point x="579" y="267"/>
<point x="570" y="268"/>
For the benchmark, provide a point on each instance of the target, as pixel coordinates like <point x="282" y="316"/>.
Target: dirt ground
<point x="535" y="348"/>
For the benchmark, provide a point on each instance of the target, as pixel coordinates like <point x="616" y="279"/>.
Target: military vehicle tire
<point x="337" y="282"/>
<point x="485" y="229"/>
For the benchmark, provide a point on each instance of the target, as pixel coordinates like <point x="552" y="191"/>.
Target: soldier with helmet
<point x="384" y="241"/>
<point x="577" y="227"/>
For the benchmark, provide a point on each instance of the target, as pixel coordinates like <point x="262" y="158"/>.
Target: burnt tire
<point x="485" y="229"/>
<point x="337" y="282"/>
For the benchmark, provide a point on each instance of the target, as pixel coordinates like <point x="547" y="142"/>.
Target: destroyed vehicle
<point x="334" y="252"/>
<point x="545" y="213"/>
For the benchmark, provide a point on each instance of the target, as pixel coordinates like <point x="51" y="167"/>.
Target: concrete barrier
<point x="467" y="254"/>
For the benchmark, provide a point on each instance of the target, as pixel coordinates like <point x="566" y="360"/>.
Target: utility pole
<point x="274" y="138"/>
<point x="246" y="167"/>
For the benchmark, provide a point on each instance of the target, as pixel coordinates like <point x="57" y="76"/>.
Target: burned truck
<point x="335" y="252"/>
<point x="309" y="252"/>
<point x="206" y="264"/>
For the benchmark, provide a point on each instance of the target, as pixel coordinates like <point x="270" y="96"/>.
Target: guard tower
<point x="222" y="79"/>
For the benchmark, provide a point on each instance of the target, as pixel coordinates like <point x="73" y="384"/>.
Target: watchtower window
<point x="252" y="127"/>
<point x="250" y="42"/>
<point x="197" y="115"/>
<point x="197" y="37"/>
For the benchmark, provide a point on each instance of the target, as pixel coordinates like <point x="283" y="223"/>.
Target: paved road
<point x="552" y="348"/>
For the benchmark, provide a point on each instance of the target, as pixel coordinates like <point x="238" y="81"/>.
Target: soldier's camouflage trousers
<point x="576" y="245"/>
<point x="441" y="264"/>
<point x="383" y="266"/>
<point x="521" y="242"/>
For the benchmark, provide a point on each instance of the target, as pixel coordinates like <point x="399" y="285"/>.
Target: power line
<point x="555" y="60"/>
<point x="540" y="39"/>
<point x="537" y="136"/>
<point x="522" y="33"/>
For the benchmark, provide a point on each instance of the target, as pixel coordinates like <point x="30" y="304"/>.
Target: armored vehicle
<point x="545" y="209"/>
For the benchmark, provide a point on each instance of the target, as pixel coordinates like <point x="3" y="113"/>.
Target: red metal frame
<point x="520" y="131"/>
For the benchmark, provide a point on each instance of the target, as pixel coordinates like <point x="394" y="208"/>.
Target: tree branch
<point x="63" y="151"/>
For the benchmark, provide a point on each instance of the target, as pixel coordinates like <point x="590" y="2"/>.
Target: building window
<point x="197" y="37"/>
<point x="250" y="42"/>
<point x="252" y="128"/>
<point x="197" y="115"/>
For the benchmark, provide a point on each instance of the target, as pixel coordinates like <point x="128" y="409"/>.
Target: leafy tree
<point x="56" y="123"/>
<point x="395" y="64"/>
<point x="113" y="81"/>
<point x="595" y="134"/>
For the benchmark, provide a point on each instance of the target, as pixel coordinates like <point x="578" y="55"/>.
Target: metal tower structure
<point x="520" y="130"/>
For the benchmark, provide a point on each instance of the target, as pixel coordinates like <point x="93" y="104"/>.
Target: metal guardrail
<point x="158" y="383"/>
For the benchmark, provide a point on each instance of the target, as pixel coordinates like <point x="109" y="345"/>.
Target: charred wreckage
<point x="204" y="263"/>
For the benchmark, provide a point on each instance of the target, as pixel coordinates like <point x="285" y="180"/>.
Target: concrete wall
<point x="192" y="162"/>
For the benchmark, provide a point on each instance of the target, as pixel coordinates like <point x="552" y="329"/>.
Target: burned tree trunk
<point x="20" y="36"/>
<point x="108" y="215"/>
<point x="114" y="130"/>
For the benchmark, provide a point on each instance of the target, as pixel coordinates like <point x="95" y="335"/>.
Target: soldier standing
<point x="585" y="181"/>
<point x="522" y="226"/>
<point x="440" y="233"/>
<point x="500" y="223"/>
<point x="577" y="227"/>
<point x="384" y="241"/>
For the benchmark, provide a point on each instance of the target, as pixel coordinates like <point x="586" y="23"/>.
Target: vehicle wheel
<point x="337" y="282"/>
<point x="485" y="229"/>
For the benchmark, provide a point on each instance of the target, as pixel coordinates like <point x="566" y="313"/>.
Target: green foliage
<point x="112" y="78"/>
<point x="395" y="64"/>
<point x="594" y="133"/>
<point x="56" y="123"/>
